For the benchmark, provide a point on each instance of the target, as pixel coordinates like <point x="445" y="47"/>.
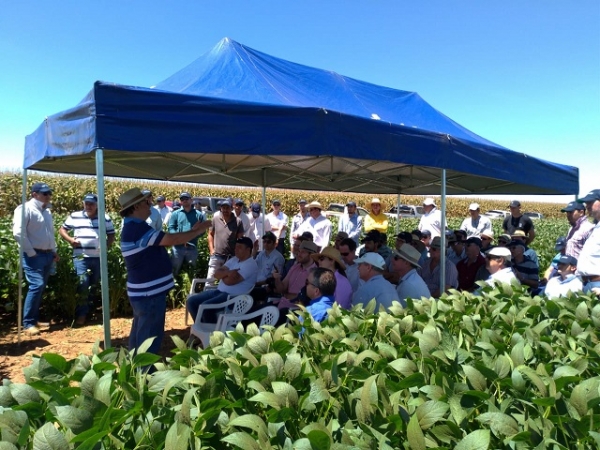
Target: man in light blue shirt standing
<point x="351" y="222"/>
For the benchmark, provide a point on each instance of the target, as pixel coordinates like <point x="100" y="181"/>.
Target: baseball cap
<point x="474" y="240"/>
<point x="514" y="204"/>
<point x="302" y="201"/>
<point x="473" y="206"/>
<point x="307" y="235"/>
<point x="567" y="259"/>
<point x="160" y="198"/>
<point x="269" y="236"/>
<point x="255" y="207"/>
<point x="428" y="201"/>
<point x="146" y="192"/>
<point x="196" y="201"/>
<point x="276" y="201"/>
<point x="245" y="241"/>
<point x="500" y="251"/>
<point x="184" y="195"/>
<point x="176" y="204"/>
<point x="372" y="258"/>
<point x="425" y="233"/>
<point x="351" y="204"/>
<point x="573" y="206"/>
<point x="90" y="198"/>
<point x="560" y="244"/>
<point x="40" y="187"/>
<point x="592" y="195"/>
<point x="505" y="238"/>
<point x="405" y="236"/>
<point x="226" y="202"/>
<point x="238" y="201"/>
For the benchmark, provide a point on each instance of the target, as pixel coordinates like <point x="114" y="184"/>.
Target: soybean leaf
<point x="501" y="424"/>
<point x="319" y="440"/>
<point x="416" y="438"/>
<point x="431" y="412"/>
<point x="477" y="440"/>
<point x="242" y="440"/>
<point x="49" y="438"/>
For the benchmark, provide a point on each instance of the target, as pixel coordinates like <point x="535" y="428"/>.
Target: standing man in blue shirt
<point x="149" y="269"/>
<point x="180" y="221"/>
<point x="86" y="250"/>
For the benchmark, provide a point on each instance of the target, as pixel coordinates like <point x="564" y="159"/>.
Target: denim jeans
<point x="88" y="272"/>
<point x="148" y="321"/>
<point x="215" y="262"/>
<point x="213" y="296"/>
<point x="37" y="271"/>
<point x="181" y="253"/>
<point x="587" y="288"/>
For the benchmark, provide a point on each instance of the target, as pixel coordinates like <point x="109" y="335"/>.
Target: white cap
<point x="375" y="259"/>
<point x="473" y="206"/>
<point x="500" y="251"/>
<point x="428" y="201"/>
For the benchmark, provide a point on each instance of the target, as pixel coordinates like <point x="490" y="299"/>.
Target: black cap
<point x="160" y="198"/>
<point x="196" y="201"/>
<point x="425" y="233"/>
<point x="351" y="204"/>
<point x="514" y="204"/>
<point x="40" y="187"/>
<point x="474" y="240"/>
<point x="405" y="236"/>
<point x="184" y="195"/>
<point x="238" y="201"/>
<point x="146" y="191"/>
<point x="255" y="207"/>
<point x="245" y="241"/>
<point x="373" y="235"/>
<point x="560" y="244"/>
<point x="276" y="201"/>
<point x="269" y="236"/>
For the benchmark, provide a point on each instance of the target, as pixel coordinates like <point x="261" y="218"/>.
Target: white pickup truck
<point x="406" y="212"/>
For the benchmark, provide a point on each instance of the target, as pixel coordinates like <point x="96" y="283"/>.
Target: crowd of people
<point x="246" y="255"/>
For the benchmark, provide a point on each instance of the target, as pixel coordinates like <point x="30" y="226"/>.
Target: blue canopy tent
<point x="237" y="116"/>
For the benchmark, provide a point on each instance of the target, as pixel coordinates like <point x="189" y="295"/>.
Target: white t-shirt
<point x="248" y="270"/>
<point x="275" y="223"/>
<point x="432" y="222"/>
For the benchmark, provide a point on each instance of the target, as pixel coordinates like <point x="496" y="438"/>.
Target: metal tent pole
<point x="443" y="235"/>
<point x="103" y="247"/>
<point x="264" y="208"/>
<point x="398" y="214"/>
<point x="20" y="300"/>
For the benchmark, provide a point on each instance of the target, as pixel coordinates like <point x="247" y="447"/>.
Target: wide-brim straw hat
<point x="132" y="197"/>
<point x="330" y="252"/>
<point x="314" y="205"/>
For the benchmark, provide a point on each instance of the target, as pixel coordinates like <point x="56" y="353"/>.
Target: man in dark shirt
<point x="517" y="221"/>
<point x="225" y="231"/>
<point x="467" y="268"/>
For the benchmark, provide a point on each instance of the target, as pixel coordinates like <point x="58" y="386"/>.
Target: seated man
<point x="269" y="259"/>
<point x="320" y="288"/>
<point x="348" y="253"/>
<point x="519" y="235"/>
<point x="566" y="282"/>
<point x="236" y="277"/>
<point x="295" y="280"/>
<point x="470" y="265"/>
<point x="526" y="270"/>
<point x="499" y="267"/>
<point x="370" y="270"/>
<point x="430" y="270"/>
<point x="410" y="284"/>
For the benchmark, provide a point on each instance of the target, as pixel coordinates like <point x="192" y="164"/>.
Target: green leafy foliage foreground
<point x="500" y="370"/>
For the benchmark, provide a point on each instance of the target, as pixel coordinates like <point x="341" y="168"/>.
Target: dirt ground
<point x="70" y="342"/>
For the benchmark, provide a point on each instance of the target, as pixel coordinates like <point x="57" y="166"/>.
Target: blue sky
<point x="525" y="75"/>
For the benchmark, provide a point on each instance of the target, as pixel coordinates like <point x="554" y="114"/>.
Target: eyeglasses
<point x="308" y="283"/>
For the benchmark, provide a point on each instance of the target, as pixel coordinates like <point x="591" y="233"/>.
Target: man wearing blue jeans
<point x="149" y="274"/>
<point x="34" y="231"/>
<point x="86" y="250"/>
<point x="183" y="220"/>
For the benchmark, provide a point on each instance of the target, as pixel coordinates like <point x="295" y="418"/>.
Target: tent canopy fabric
<point x="237" y="116"/>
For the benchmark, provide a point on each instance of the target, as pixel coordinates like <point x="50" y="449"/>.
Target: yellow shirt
<point x="377" y="222"/>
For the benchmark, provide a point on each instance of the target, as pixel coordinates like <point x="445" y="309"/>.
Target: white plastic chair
<point x="237" y="305"/>
<point x="195" y="283"/>
<point x="269" y="315"/>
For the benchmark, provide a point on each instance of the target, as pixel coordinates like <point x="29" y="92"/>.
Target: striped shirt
<point x="148" y="264"/>
<point x="85" y="230"/>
